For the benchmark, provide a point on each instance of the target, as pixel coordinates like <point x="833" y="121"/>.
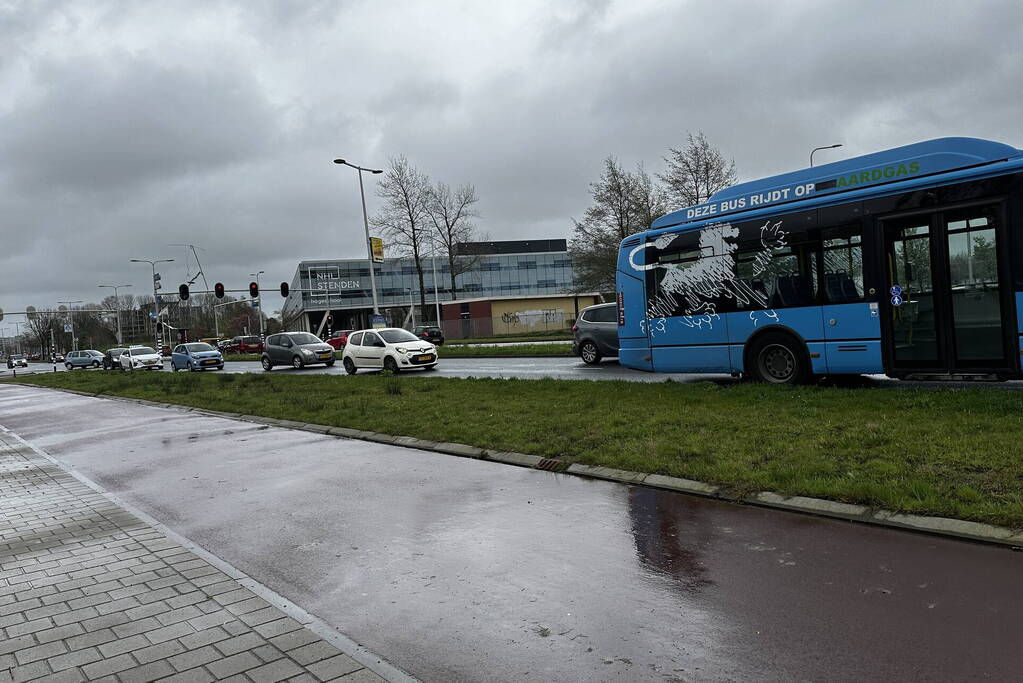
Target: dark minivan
<point x="596" y="333"/>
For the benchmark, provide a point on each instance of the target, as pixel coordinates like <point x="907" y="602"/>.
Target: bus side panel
<point x="1019" y="312"/>
<point x="692" y="359"/>
<point x="633" y="345"/>
<point x="695" y="343"/>
<point x="853" y="334"/>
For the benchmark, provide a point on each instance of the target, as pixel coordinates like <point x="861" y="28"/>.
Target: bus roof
<point x="889" y="166"/>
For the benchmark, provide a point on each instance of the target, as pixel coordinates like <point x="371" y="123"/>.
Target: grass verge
<point x="505" y="351"/>
<point x="947" y="452"/>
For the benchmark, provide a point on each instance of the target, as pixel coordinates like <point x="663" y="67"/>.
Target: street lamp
<point x="365" y="223"/>
<point x="71" y="321"/>
<point x="259" y="299"/>
<point x="156" y="301"/>
<point x="817" y="149"/>
<point x="117" y="303"/>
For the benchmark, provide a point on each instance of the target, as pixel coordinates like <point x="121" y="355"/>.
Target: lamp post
<point x="365" y="224"/>
<point x="156" y="300"/>
<point x="117" y="304"/>
<point x="817" y="149"/>
<point x="71" y="321"/>
<point x="259" y="299"/>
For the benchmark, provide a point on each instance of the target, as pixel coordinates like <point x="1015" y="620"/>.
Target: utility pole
<point x="117" y="300"/>
<point x="156" y="298"/>
<point x="365" y="224"/>
<point x="71" y="321"/>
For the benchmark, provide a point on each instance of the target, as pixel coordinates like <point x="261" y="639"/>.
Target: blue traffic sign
<point x="896" y="290"/>
<point x="896" y="300"/>
<point x="152" y="315"/>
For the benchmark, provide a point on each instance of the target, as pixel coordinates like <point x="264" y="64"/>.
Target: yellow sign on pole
<point x="377" y="247"/>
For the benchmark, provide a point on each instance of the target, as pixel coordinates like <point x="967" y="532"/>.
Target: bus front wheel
<point x="778" y="359"/>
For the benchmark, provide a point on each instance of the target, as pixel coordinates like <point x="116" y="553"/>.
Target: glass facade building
<point x="492" y="269"/>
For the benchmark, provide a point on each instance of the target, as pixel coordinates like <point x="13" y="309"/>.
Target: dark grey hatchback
<point x="297" y="349"/>
<point x="596" y="333"/>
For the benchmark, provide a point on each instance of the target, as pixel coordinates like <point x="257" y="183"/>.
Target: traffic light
<point x="284" y="289"/>
<point x="183" y="292"/>
<point x="253" y="290"/>
<point x="218" y="290"/>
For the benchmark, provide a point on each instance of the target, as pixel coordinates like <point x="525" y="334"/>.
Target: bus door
<point x="948" y="306"/>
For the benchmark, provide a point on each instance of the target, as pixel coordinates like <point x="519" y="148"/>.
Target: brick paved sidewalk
<point x="91" y="592"/>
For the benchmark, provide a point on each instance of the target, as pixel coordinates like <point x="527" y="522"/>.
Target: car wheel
<point x="69" y="366"/>
<point x="778" y="359"/>
<point x="589" y="353"/>
<point x="330" y="363"/>
<point x="349" y="366"/>
<point x="267" y="365"/>
<point x="95" y="364"/>
<point x="297" y="363"/>
<point x="391" y="365"/>
<point x="174" y="368"/>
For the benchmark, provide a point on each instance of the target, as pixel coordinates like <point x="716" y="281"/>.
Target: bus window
<point x="843" y="264"/>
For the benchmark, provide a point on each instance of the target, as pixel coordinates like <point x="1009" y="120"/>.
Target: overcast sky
<point x="126" y="127"/>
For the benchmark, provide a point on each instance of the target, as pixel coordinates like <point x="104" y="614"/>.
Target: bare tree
<point x="696" y="172"/>
<point x="624" y="203"/>
<point x="404" y="219"/>
<point x="452" y="212"/>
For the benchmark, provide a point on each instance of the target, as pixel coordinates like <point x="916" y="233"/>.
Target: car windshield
<point x="198" y="346"/>
<point x="17" y="356"/>
<point x="396" y="336"/>
<point x="305" y="338"/>
<point x="142" y="351"/>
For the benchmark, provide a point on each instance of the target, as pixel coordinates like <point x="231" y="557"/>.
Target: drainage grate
<point x="549" y="464"/>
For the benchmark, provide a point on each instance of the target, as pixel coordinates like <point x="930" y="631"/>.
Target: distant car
<point x="339" y="338"/>
<point x="58" y="358"/>
<point x="297" y="349"/>
<point x="17" y="361"/>
<point x="196" y="356"/>
<point x="35" y="356"/>
<point x="223" y="344"/>
<point x="88" y="358"/>
<point x="110" y="361"/>
<point x="390" y="348"/>
<point x="596" y="333"/>
<point x="245" y="344"/>
<point x="141" y="358"/>
<point x="430" y="333"/>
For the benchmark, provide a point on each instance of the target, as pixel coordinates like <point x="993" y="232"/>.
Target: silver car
<point x="596" y="333"/>
<point x="88" y="358"/>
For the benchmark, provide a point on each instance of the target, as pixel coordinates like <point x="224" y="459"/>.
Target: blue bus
<point x="907" y="262"/>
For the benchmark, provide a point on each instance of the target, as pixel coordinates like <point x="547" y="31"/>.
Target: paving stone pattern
<point x="90" y="592"/>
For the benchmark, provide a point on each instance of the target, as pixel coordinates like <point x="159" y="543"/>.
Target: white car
<point x="17" y="361"/>
<point x="390" y="348"/>
<point x="141" y="358"/>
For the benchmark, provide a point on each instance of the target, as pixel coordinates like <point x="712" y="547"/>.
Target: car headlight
<point x="401" y="349"/>
<point x="307" y="352"/>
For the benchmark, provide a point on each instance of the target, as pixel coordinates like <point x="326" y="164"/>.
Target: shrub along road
<point x="954" y="453"/>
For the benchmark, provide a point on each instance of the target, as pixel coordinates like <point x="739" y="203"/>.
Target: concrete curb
<point x="940" y="526"/>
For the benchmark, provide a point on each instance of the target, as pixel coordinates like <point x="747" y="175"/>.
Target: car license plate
<point x="325" y="355"/>
<point x="211" y="361"/>
<point x="424" y="357"/>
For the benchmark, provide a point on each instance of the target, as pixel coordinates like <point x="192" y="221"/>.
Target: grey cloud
<point x="124" y="120"/>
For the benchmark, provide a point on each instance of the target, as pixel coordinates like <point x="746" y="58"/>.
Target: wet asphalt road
<point x="460" y="570"/>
